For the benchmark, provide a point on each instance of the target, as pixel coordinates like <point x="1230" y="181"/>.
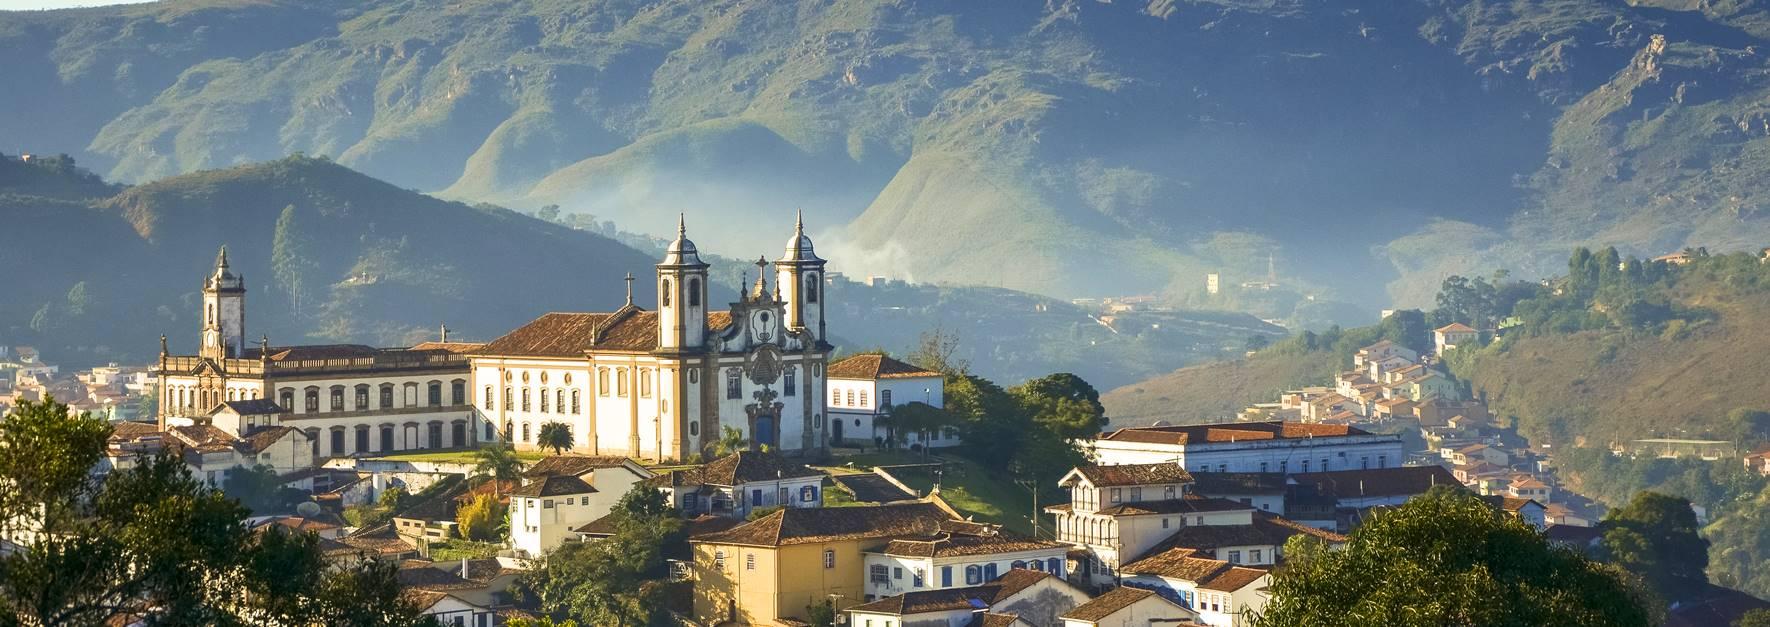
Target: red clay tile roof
<point x="1230" y="432"/>
<point x="1135" y="474"/>
<point x="1455" y="327"/>
<point x="952" y="544"/>
<point x="735" y="469"/>
<point x="571" y="334"/>
<point x="992" y="619"/>
<point x="263" y="438"/>
<point x="824" y="524"/>
<point x="1187" y="565"/>
<point x="450" y="347"/>
<point x="1188" y="504"/>
<point x="875" y="366"/>
<point x="1402" y="481"/>
<point x="1110" y="603"/>
<point x="573" y="465"/>
<point x="1232" y="579"/>
<point x="316" y="351"/>
<point x="948" y="599"/>
<point x="557" y="485"/>
<point x="1224" y="483"/>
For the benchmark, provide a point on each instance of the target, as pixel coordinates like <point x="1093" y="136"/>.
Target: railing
<point x="360" y="413"/>
<point x="387" y="361"/>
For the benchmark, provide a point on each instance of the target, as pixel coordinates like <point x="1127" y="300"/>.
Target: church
<point x="663" y="384"/>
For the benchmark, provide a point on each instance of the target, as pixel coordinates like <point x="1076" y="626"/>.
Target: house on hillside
<point x="1128" y="607"/>
<point x="1384" y="350"/>
<point x="960" y="553"/>
<point x="1453" y="335"/>
<point x="865" y="388"/>
<point x="1034" y="597"/>
<point x="1283" y="447"/>
<point x="1221" y="593"/>
<point x="1531" y="511"/>
<point x="741" y="483"/>
<point x="1759" y="461"/>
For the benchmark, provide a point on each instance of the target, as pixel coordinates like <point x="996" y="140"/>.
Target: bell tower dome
<point x="682" y="295"/>
<point x="224" y="311"/>
<point x="799" y="277"/>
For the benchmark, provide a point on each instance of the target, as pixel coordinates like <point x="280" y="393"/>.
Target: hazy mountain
<point x="1068" y="148"/>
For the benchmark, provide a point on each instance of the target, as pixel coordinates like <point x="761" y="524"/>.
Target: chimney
<point x="463" y="568"/>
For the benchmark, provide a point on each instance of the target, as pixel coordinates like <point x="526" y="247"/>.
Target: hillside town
<point x="739" y="421"/>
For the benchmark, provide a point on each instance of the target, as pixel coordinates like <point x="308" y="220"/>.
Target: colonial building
<point x="663" y="384"/>
<point x="962" y="553"/>
<point x="347" y="399"/>
<point x="740" y="483"/>
<point x="1282" y="447"/>
<point x="865" y="388"/>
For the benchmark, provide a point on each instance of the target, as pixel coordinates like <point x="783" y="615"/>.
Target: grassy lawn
<point x="457" y="548"/>
<point x="970" y="487"/>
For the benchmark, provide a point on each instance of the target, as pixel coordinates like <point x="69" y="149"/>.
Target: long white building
<point x="1281" y="447"/>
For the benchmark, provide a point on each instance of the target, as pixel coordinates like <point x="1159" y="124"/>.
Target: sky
<point x="19" y="5"/>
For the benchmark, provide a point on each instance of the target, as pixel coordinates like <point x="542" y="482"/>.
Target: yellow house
<point x="776" y="566"/>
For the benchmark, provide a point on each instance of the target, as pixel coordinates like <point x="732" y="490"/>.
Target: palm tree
<point x="730" y="441"/>
<point x="556" y="436"/>
<point x="499" y="463"/>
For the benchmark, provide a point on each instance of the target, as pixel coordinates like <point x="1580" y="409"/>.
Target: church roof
<point x="251" y="407"/>
<point x="876" y="366"/>
<point x="563" y="334"/>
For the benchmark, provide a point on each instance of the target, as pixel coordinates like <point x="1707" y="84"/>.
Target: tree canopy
<point x="1448" y="558"/>
<point x="556" y="436"/>
<point x="619" y="581"/>
<point x="1655" y="536"/>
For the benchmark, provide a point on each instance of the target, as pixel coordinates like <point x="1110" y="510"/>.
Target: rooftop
<point x="923" y="601"/>
<point x="561" y="334"/>
<point x="876" y="366"/>
<point x="1109" y="603"/>
<point x="1402" y="481"/>
<point x="556" y="485"/>
<point x="737" y="469"/>
<point x="826" y="524"/>
<point x="1134" y="474"/>
<point x="1230" y="432"/>
<point x="573" y="465"/>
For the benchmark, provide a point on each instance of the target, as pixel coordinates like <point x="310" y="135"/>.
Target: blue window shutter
<point x="946" y="576"/>
<point x="755" y="497"/>
<point x="989" y="572"/>
<point x="1055" y="566"/>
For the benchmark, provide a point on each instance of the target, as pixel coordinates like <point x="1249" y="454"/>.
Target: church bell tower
<point x="682" y="295"/>
<point x="799" y="277"/>
<point x="224" y="312"/>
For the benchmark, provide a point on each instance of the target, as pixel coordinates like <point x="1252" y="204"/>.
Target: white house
<point x="1223" y="594"/>
<point x="1281" y="447"/>
<point x="451" y="610"/>
<point x="544" y="513"/>
<point x="1118" y="512"/>
<point x="740" y="483"/>
<point x="1128" y="607"/>
<point x="864" y="388"/>
<point x="1453" y="335"/>
<point x="961" y="554"/>
<point x="1034" y="597"/>
<point x="1384" y="350"/>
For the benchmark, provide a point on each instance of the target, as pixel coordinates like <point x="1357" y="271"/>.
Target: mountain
<point x="1351" y="151"/>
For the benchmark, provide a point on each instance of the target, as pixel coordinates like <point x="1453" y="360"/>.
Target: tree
<point x="79" y="299"/>
<point x="1748" y="427"/>
<point x="1448" y="558"/>
<point x="155" y="542"/>
<point x="938" y="350"/>
<point x="1407" y="327"/>
<point x="44" y="320"/>
<point x="1755" y="618"/>
<point x="731" y="440"/>
<point x="1064" y="404"/>
<point x="1256" y="342"/>
<point x="556" y="436"/>
<point x="479" y="518"/>
<point x="821" y="613"/>
<point x="291" y="253"/>
<point x="1655" y="536"/>
<point x="920" y="418"/>
<point x="497" y="463"/>
<point x="261" y="490"/>
<point x="549" y="213"/>
<point x="619" y="581"/>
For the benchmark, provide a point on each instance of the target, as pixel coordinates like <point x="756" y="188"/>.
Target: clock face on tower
<point x="762" y="323"/>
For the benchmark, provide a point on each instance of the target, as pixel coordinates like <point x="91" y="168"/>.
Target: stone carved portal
<point x="764" y="416"/>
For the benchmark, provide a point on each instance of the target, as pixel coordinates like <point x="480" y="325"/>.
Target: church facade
<point x="664" y="384"/>
<point x="348" y="399"/>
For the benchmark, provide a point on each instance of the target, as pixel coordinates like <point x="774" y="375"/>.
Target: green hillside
<point x="1064" y="148"/>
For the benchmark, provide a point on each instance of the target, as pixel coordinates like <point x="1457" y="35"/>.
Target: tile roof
<point x="1135" y="474"/>
<point x="871" y="488"/>
<point x="451" y="347"/>
<point x="947" y="599"/>
<point x="824" y="524"/>
<point x="424" y="575"/>
<point x="955" y="544"/>
<point x="1233" y="579"/>
<point x="121" y="431"/>
<point x="380" y="540"/>
<point x="1108" y="604"/>
<point x="992" y="619"/>
<point x="558" y="485"/>
<point x="1573" y="534"/>
<point x="705" y="524"/>
<point x="264" y="437"/>
<point x="256" y="406"/>
<point x="1219" y="483"/>
<point x="561" y="334"/>
<point x="1188" y="565"/>
<point x="736" y="469"/>
<point x="573" y="465"/>
<point x="1402" y="481"/>
<point x="1455" y="327"/>
<point x="1508" y="503"/>
<point x="1230" y="432"/>
<point x="876" y="366"/>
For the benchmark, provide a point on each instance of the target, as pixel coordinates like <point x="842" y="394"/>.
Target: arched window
<point x="543" y="400"/>
<point x="694" y="428"/>
<point x="1036" y="565"/>
<point x="286" y="398"/>
<point x="973" y="575"/>
<point x="835" y="398"/>
<point x="559" y="400"/>
<point x="1017" y="564"/>
<point x="337" y="398"/>
<point x="645" y="383"/>
<point x="362" y="397"/>
<point x="230" y="394"/>
<point x="811" y="288"/>
<point x="525" y="407"/>
<point x="863" y="398"/>
<point x="386" y="396"/>
<point x="621" y="382"/>
<point x="509" y="401"/>
<point x="489" y="397"/>
<point x="694" y="292"/>
<point x="789" y="381"/>
<point x="734" y="384"/>
<point x="525" y="432"/>
<point x="602" y="382"/>
<point x="313" y="400"/>
<point x="574" y="401"/>
<point x="411" y="396"/>
<point x="458" y="391"/>
<point x="664" y="293"/>
<point x="851" y="398"/>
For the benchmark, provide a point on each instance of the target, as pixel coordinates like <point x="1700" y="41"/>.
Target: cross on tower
<point x="629" y="288"/>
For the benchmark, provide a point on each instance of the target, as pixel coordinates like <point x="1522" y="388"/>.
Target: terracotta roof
<point x="572" y="334"/>
<point x="948" y="599"/>
<point x="1402" y="481"/>
<point x="264" y="437"/>
<point x="1456" y="327"/>
<point x="1230" y="432"/>
<point x="1232" y="579"/>
<point x="380" y="540"/>
<point x="992" y="619"/>
<point x="1220" y="483"/>
<point x="953" y="544"/>
<point x="876" y="366"/>
<point x="824" y="524"/>
<point x="423" y="575"/>
<point x="736" y="469"/>
<point x="1108" y="604"/>
<point x="573" y="465"/>
<point x="1187" y="565"/>
<point x="1135" y="474"/>
<point x="449" y="347"/>
<point x="316" y="351"/>
<point x="1508" y="503"/>
<point x="303" y="524"/>
<point x="1189" y="504"/>
<point x="256" y="406"/>
<point x="705" y="524"/>
<point x="558" y="485"/>
<point x="122" y="431"/>
<point x="1572" y="534"/>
